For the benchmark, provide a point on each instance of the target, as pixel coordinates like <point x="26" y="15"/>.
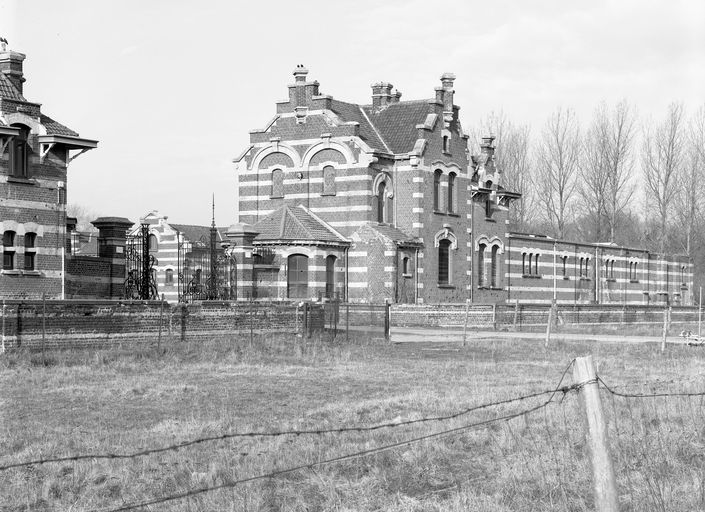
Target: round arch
<point x="342" y="148"/>
<point x="276" y="148"/>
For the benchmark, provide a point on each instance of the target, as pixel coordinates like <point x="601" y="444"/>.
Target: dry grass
<point x="125" y="399"/>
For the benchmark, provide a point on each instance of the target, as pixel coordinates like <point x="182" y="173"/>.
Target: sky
<point x="172" y="88"/>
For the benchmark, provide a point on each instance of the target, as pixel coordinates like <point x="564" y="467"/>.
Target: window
<point x="328" y="181"/>
<point x="405" y="266"/>
<point x="330" y="276"/>
<point x="451" y="192"/>
<point x="30" y="251"/>
<point x="632" y="271"/>
<point x="536" y="264"/>
<point x="8" y="255"/>
<point x="381" y="203"/>
<point x="444" y="262"/>
<point x="494" y="269"/>
<point x="153" y="244"/>
<point x="523" y="263"/>
<point x="19" y="152"/>
<point x="446" y="145"/>
<point x="564" y="265"/>
<point x="612" y="269"/>
<point x="297" y="276"/>
<point x="169" y="276"/>
<point x="481" y="265"/>
<point x="488" y="209"/>
<point x="437" y="190"/>
<point x="683" y="275"/>
<point x="277" y="183"/>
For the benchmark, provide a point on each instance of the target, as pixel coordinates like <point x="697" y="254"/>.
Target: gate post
<point x="387" y="320"/>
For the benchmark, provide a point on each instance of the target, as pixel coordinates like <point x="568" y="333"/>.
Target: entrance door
<point x="297" y="276"/>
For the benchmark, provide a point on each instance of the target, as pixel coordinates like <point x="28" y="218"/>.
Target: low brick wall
<point x="532" y="316"/>
<point x="73" y="323"/>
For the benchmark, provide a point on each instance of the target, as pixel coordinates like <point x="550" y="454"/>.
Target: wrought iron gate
<point x="206" y="271"/>
<point x="140" y="273"/>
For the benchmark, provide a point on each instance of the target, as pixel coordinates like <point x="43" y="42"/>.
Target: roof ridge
<point x="374" y="128"/>
<point x="323" y="223"/>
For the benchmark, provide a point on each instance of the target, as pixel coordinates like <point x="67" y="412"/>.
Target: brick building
<point x="369" y="202"/>
<point x="35" y="152"/>
<point x="382" y="202"/>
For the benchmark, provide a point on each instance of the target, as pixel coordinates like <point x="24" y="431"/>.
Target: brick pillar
<point x="112" y="239"/>
<point x="240" y="237"/>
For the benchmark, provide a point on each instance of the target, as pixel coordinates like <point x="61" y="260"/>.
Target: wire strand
<point x="644" y="395"/>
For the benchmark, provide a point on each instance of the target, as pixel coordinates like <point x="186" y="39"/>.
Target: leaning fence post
<point x="465" y="323"/>
<point x="604" y="484"/>
<point x="549" y="324"/>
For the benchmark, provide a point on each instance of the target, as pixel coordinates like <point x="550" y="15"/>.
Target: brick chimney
<point x="396" y="97"/>
<point x="444" y="95"/>
<point x="381" y="94"/>
<point x="11" y="64"/>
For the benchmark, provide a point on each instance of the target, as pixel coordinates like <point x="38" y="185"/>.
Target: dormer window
<point x="19" y="152"/>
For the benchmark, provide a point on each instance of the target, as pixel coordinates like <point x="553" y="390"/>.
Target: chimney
<point x="381" y="94"/>
<point x="11" y="64"/>
<point x="301" y="93"/>
<point x="396" y="97"/>
<point x="444" y="95"/>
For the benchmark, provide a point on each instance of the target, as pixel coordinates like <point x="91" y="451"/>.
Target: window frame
<point x="452" y="192"/>
<point x="445" y="268"/>
<point x="300" y="287"/>
<point x="328" y="170"/>
<point x="277" y="187"/>
<point x="30" y="251"/>
<point x="437" y="175"/>
<point x="20" y="144"/>
<point x="9" y="240"/>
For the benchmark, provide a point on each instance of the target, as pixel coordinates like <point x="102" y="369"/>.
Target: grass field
<point x="128" y="399"/>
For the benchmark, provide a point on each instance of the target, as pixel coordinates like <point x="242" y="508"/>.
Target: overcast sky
<point x="172" y="88"/>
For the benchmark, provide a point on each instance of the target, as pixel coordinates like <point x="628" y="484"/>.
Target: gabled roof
<point x="396" y="123"/>
<point x="289" y="224"/>
<point x="56" y="128"/>
<point x="391" y="129"/>
<point x="352" y="112"/>
<point x="8" y="89"/>
<point x="195" y="234"/>
<point x="396" y="235"/>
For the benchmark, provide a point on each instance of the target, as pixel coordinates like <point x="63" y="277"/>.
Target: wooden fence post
<point x="347" y="321"/>
<point x="549" y="325"/>
<point x="44" y="328"/>
<point x="700" y="311"/>
<point x="516" y="314"/>
<point x="161" y="313"/>
<point x="465" y="323"/>
<point x="494" y="317"/>
<point x="665" y="329"/>
<point x="387" y="320"/>
<point x="3" y="326"/>
<point x="604" y="483"/>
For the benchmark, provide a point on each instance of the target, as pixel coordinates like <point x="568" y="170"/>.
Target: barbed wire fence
<point x="654" y="439"/>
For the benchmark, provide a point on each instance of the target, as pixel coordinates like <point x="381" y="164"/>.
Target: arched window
<point x="481" y="265"/>
<point x="30" y="251"/>
<point x="153" y="244"/>
<point x="565" y="266"/>
<point x="297" y="276"/>
<point x="523" y="263"/>
<point x="277" y="183"/>
<point x="446" y="146"/>
<point x="536" y="264"/>
<point x="382" y="213"/>
<point x="451" y="192"/>
<point x="444" y="261"/>
<point x="494" y="270"/>
<point x="169" y="277"/>
<point x="328" y="181"/>
<point x="405" y="266"/>
<point x="19" y="152"/>
<point x="330" y="276"/>
<point x="8" y="255"/>
<point x="437" y="190"/>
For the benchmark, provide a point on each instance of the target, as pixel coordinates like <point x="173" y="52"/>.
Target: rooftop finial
<point x="3" y="44"/>
<point x="213" y="213"/>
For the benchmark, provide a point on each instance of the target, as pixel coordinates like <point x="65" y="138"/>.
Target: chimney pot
<point x="300" y="73"/>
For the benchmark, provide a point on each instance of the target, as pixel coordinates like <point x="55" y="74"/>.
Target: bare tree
<point x="558" y="156"/>
<point x="512" y="156"/>
<point x="606" y="186"/>
<point x="691" y="190"/>
<point x="83" y="215"/>
<point x="663" y="155"/>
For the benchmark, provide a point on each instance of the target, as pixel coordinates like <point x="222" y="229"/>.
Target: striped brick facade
<point x="34" y="157"/>
<point x="594" y="273"/>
